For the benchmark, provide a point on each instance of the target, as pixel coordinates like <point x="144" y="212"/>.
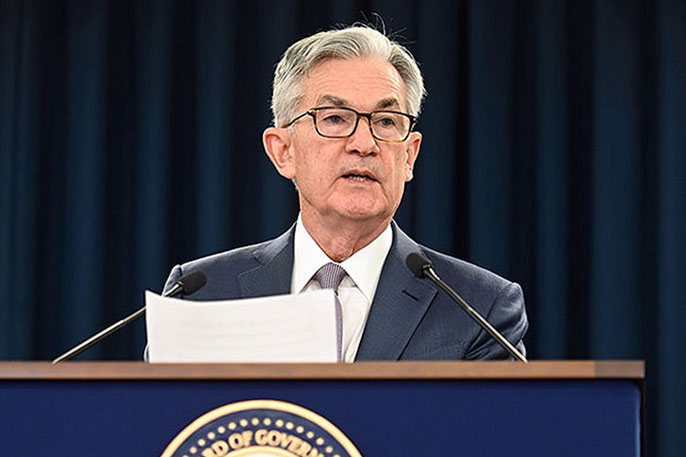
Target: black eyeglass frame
<point x="313" y="113"/>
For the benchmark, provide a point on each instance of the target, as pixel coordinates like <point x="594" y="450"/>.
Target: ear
<point x="277" y="145"/>
<point x="411" y="153"/>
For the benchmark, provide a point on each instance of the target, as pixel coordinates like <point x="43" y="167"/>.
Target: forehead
<point x="363" y="83"/>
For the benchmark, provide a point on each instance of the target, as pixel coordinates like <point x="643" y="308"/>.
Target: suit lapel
<point x="400" y="302"/>
<point x="273" y="276"/>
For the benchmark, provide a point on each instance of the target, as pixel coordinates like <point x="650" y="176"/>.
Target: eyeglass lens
<point x="338" y="122"/>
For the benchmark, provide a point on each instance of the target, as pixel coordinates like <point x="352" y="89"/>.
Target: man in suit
<point x="345" y="103"/>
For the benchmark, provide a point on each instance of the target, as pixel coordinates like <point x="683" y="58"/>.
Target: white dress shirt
<point x="358" y="287"/>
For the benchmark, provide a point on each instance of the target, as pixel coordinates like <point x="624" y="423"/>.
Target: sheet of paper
<point x="284" y="328"/>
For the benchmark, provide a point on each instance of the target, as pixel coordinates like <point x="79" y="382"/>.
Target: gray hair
<point x="347" y="43"/>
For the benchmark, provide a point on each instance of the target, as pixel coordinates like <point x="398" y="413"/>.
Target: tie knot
<point x="330" y="276"/>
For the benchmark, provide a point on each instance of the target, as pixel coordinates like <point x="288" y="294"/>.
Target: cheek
<point x="313" y="173"/>
<point x="310" y="156"/>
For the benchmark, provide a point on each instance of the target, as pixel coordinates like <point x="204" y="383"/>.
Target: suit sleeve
<point x="507" y="315"/>
<point x="174" y="276"/>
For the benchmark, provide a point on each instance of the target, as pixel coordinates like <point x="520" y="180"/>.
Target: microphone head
<point x="417" y="264"/>
<point x="192" y="282"/>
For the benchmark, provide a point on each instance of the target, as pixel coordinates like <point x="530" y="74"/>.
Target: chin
<point x="362" y="213"/>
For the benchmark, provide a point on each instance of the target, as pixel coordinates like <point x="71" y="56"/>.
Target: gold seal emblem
<point x="261" y="428"/>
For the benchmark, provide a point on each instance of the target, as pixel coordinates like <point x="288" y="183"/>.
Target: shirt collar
<point x="364" y="267"/>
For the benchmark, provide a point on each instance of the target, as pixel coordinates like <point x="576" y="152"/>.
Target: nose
<point x="361" y="141"/>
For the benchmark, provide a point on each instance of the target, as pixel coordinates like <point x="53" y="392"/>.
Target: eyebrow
<point x="388" y="103"/>
<point x="332" y="100"/>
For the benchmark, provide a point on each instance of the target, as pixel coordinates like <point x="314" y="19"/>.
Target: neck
<point x="341" y="239"/>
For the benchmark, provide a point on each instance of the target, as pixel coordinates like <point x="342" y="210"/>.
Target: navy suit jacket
<point x="410" y="319"/>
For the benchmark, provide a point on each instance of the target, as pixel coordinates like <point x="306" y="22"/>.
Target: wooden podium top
<point x="496" y="370"/>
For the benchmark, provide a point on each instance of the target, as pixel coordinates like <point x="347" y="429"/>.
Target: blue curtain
<point x="554" y="154"/>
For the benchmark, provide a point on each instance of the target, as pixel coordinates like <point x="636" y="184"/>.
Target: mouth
<point x="359" y="176"/>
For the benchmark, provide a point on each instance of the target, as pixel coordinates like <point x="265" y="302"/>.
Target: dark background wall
<point x="553" y="155"/>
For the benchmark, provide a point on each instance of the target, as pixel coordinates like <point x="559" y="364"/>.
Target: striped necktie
<point x="329" y="277"/>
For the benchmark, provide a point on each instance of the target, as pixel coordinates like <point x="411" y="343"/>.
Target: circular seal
<point x="261" y="428"/>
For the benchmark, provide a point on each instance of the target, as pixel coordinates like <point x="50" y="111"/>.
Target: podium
<point x="387" y="409"/>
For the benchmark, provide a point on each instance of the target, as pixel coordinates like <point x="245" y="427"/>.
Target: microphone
<point x="186" y="285"/>
<point x="421" y="267"/>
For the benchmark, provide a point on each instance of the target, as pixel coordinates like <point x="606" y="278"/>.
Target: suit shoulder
<point x="224" y="270"/>
<point x="243" y="258"/>
<point x="468" y="277"/>
<point x="238" y="259"/>
<point x="499" y="300"/>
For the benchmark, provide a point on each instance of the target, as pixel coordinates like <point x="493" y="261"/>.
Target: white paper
<point x="284" y="328"/>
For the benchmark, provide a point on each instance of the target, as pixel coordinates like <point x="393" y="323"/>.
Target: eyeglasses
<point x="333" y="122"/>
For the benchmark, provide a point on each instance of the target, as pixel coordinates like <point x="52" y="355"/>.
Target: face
<point x="356" y="178"/>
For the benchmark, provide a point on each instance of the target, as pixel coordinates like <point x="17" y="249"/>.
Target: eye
<point x="332" y="118"/>
<point x="386" y="121"/>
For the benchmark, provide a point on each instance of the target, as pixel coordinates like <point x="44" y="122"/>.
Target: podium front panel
<point x="382" y="417"/>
